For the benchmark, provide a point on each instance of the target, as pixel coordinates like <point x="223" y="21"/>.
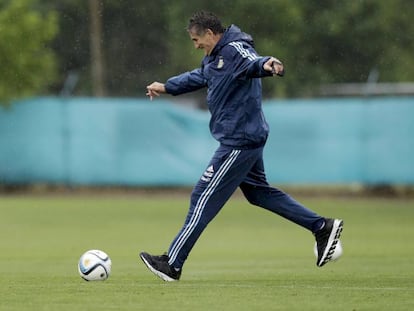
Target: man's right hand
<point x="155" y="89"/>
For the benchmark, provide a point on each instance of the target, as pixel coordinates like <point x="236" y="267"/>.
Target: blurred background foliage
<point x="28" y="62"/>
<point x="43" y="42"/>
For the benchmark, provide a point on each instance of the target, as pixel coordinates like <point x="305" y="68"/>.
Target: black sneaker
<point x="327" y="239"/>
<point x="160" y="267"/>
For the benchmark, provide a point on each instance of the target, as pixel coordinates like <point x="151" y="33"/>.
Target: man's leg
<point x="258" y="192"/>
<point x="226" y="170"/>
<point x="282" y="204"/>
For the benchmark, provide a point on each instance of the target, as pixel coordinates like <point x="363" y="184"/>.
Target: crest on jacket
<point x="220" y="63"/>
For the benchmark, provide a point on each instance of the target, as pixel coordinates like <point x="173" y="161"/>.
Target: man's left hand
<point x="274" y="66"/>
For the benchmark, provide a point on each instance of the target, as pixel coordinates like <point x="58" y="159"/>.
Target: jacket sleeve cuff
<point x="262" y="72"/>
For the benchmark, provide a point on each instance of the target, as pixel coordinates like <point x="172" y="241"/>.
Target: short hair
<point x="203" y="20"/>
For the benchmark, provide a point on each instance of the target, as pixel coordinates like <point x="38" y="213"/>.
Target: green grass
<point x="247" y="259"/>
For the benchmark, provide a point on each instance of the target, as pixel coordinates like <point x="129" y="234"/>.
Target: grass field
<point x="247" y="259"/>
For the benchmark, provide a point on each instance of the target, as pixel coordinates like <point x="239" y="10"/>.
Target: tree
<point x="328" y="41"/>
<point x="135" y="45"/>
<point x="28" y="63"/>
<point x="97" y="64"/>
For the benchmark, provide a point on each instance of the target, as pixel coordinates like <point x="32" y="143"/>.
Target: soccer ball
<point x="94" y="265"/>
<point x="337" y="252"/>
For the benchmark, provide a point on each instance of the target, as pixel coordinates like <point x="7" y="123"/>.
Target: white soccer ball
<point x="337" y="253"/>
<point x="94" y="265"/>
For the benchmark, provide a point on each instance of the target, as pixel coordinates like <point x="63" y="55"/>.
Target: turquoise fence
<point x="93" y="141"/>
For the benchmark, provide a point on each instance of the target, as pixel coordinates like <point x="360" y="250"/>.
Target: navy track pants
<point x="228" y="169"/>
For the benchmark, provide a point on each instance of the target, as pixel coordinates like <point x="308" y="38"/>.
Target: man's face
<point x="205" y="41"/>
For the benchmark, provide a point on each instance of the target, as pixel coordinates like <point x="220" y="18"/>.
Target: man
<point x="231" y="70"/>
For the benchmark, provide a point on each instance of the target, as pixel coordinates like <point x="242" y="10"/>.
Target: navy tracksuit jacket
<point x="232" y="75"/>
